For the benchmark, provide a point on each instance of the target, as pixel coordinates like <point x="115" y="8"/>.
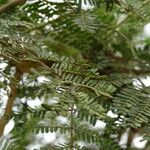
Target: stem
<point x="127" y="17"/>
<point x="8" y="110"/>
<point x="11" y="5"/>
<point x="71" y="128"/>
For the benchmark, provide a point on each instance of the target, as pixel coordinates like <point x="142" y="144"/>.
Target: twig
<point x="8" y="110"/>
<point x="71" y="128"/>
<point x="11" y="5"/>
<point x="126" y="18"/>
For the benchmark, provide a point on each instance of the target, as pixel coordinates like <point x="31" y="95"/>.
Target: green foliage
<point x="3" y="1"/>
<point x="89" y="59"/>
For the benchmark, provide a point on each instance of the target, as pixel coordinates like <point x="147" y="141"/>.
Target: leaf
<point x="3" y="1"/>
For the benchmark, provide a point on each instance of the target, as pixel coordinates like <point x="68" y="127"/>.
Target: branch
<point x="8" y="110"/>
<point x="129" y="15"/>
<point x="12" y="4"/>
<point x="71" y="128"/>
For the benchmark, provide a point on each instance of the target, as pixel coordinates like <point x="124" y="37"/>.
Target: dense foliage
<point x="92" y="61"/>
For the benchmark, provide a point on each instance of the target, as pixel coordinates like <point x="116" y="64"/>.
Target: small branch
<point x="11" y="5"/>
<point x="71" y="129"/>
<point x="129" y="15"/>
<point x="8" y="110"/>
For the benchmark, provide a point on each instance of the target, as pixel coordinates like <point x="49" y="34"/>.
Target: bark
<point x="12" y="4"/>
<point x="8" y="110"/>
